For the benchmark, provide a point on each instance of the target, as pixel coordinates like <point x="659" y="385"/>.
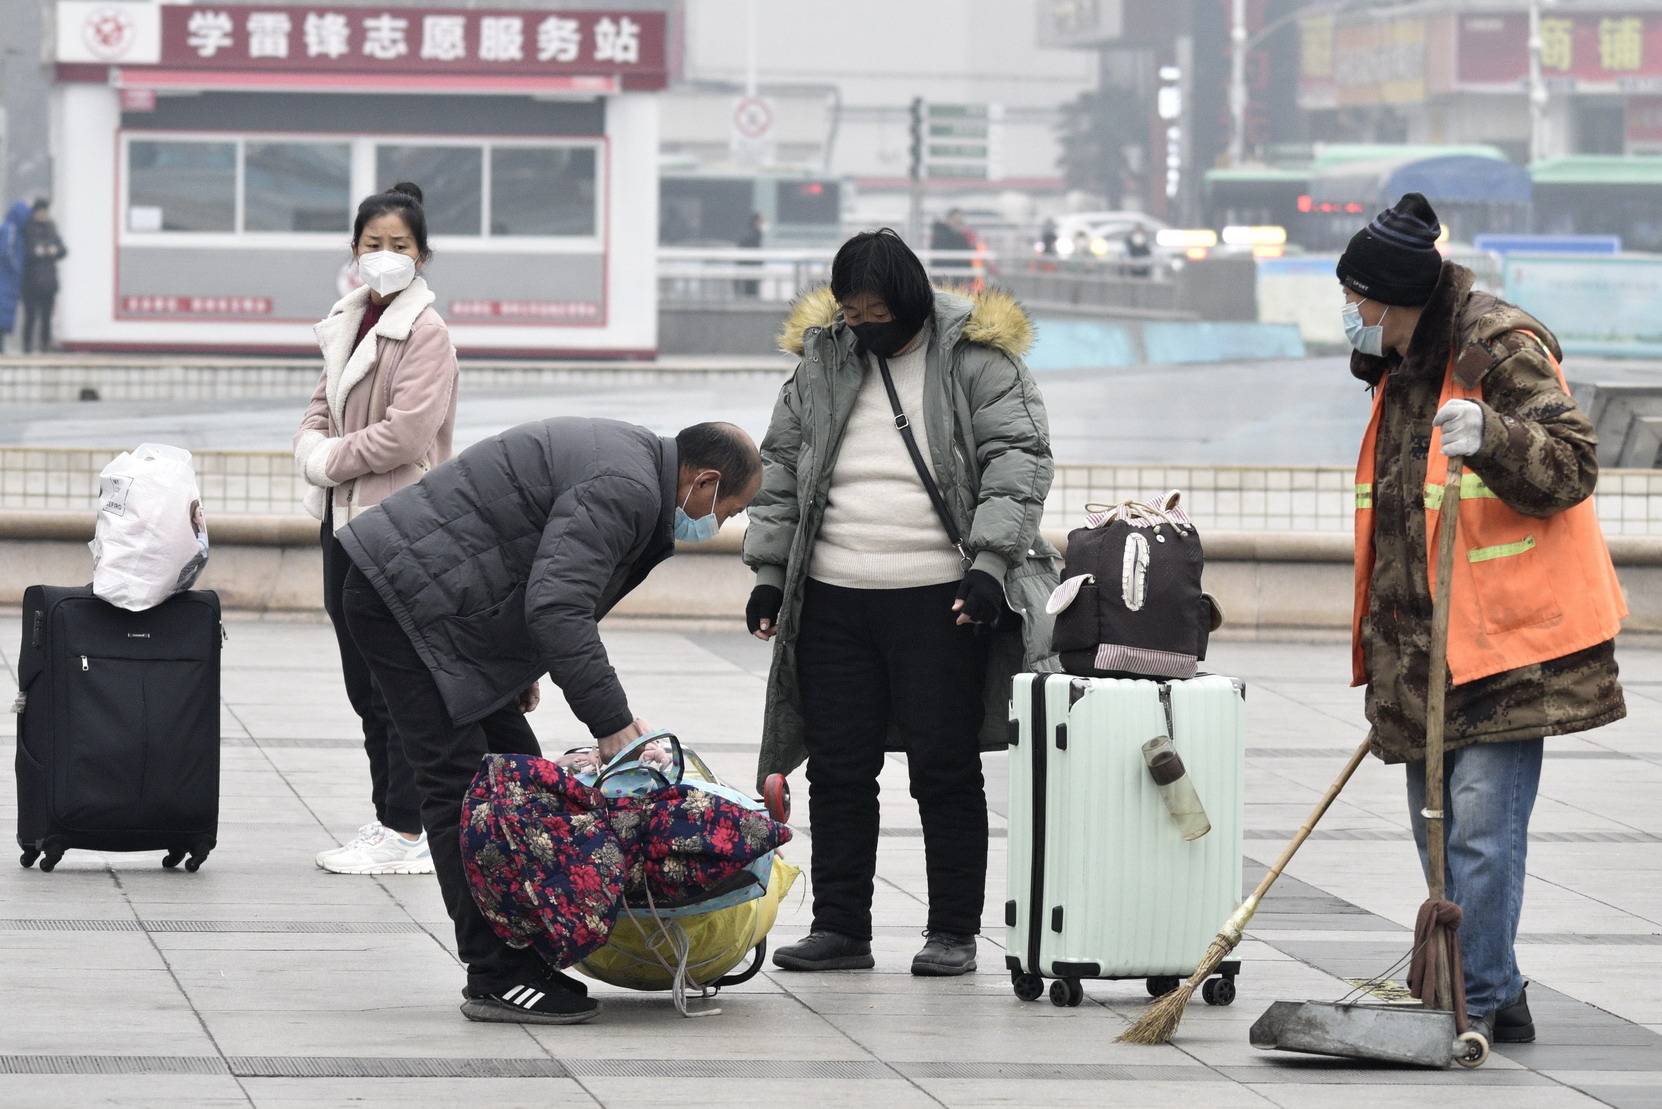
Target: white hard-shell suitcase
<point x="1101" y="882"/>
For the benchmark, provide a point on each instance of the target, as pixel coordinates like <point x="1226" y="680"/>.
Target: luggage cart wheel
<point x="50" y="861"/>
<point x="1471" y="1049"/>
<point x="27" y="859"/>
<point x="1066" y="993"/>
<point x="172" y="858"/>
<point x="1161" y="986"/>
<point x="1218" y="991"/>
<point x="194" y="863"/>
<point x="1029" y="987"/>
<point x="776" y="795"/>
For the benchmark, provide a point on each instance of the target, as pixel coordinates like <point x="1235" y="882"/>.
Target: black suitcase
<point x="118" y="726"/>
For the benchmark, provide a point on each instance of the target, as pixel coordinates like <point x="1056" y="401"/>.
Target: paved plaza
<point x="263" y="981"/>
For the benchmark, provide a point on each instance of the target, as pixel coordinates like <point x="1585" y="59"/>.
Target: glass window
<point x="291" y="186"/>
<point x="182" y="186"/>
<point x="539" y="190"/>
<point x="704" y="211"/>
<point x="451" y="180"/>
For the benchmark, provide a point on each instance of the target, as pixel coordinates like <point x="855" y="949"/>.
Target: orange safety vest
<point x="1526" y="589"/>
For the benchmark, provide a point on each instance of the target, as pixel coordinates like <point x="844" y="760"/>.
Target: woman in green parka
<point x="895" y="628"/>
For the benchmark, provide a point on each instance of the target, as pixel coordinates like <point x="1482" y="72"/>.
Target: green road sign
<point x="956" y="140"/>
<point x="951" y="130"/>
<point x="957" y="111"/>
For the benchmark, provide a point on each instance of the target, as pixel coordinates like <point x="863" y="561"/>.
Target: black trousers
<point x="866" y="657"/>
<point x="37" y="319"/>
<point x="392" y="785"/>
<point x="445" y="757"/>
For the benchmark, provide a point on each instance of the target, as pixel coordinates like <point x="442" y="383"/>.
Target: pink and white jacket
<point x="383" y="414"/>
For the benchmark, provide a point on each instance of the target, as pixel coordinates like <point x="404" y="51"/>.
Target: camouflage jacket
<point x="1538" y="456"/>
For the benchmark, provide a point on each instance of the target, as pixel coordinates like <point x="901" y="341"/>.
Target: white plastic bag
<point x="152" y="537"/>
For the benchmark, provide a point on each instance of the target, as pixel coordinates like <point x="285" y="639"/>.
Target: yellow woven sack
<point x="640" y="956"/>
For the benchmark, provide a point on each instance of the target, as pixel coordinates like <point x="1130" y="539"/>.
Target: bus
<point x="1322" y="199"/>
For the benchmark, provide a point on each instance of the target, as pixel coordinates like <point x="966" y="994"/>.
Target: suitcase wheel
<point x="776" y="794"/>
<point x="1218" y="991"/>
<point x="1066" y="993"/>
<point x="1161" y="986"/>
<point x="50" y="861"/>
<point x="1029" y="987"/>
<point x="28" y="857"/>
<point x="173" y="858"/>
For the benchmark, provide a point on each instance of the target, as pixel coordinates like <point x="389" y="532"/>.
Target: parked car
<point x="1101" y="234"/>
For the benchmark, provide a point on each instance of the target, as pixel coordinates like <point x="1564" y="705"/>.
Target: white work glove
<point x="1462" y="424"/>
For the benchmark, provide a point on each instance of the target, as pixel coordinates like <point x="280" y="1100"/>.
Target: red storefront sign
<point x="1604" y="50"/>
<point x="624" y="44"/>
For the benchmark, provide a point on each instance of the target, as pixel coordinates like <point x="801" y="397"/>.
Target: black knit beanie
<point x="1394" y="259"/>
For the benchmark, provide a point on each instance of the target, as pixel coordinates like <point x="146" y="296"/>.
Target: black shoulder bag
<point x="904" y="426"/>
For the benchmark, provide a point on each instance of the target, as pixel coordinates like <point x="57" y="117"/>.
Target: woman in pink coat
<point x="382" y="416"/>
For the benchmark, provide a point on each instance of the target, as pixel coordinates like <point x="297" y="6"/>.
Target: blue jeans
<point x="1490" y="792"/>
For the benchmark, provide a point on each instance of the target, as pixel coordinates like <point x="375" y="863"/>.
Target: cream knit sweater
<point x="880" y="530"/>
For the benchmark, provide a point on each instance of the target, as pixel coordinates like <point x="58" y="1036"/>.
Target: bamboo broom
<point x="1160" y="1019"/>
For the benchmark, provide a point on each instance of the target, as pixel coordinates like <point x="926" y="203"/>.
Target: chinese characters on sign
<point x="405" y="40"/>
<point x="161" y="305"/>
<point x="1621" y="44"/>
<point x="552" y="311"/>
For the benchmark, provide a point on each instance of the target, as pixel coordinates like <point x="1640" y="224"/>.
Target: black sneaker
<point x="560" y="979"/>
<point x="1513" y="1024"/>
<point x="944" y="955"/>
<point x="535" y="1000"/>
<point x="825" y="951"/>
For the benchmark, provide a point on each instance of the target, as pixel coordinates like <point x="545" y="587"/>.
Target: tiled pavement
<point x="261" y="980"/>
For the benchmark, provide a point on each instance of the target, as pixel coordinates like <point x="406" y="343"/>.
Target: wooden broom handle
<point x="1309" y="824"/>
<point x="1436" y="703"/>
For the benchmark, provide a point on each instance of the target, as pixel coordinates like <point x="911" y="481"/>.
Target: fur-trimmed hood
<point x="1458" y="320"/>
<point x="990" y="318"/>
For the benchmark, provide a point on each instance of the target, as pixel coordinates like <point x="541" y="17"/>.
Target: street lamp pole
<point x="1237" y="83"/>
<point x="1537" y="88"/>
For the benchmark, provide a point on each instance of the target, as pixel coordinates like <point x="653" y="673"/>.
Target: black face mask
<point x="885" y="339"/>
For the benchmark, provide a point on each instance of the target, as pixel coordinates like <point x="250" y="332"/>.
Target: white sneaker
<point x="379" y="850"/>
<point x="365" y="836"/>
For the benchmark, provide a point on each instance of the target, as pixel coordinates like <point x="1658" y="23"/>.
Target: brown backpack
<point x="1130" y="603"/>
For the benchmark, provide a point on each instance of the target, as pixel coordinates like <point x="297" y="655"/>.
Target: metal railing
<point x="732" y="275"/>
<point x="66" y="480"/>
<point x="1226" y="498"/>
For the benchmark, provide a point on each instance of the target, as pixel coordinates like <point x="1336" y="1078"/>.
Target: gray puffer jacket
<point x="989" y="448"/>
<point x="500" y="563"/>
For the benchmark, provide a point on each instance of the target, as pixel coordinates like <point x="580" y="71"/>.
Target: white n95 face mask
<point x="386" y="272"/>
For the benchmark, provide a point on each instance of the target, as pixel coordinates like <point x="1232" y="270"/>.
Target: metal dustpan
<point x="1410" y="1035"/>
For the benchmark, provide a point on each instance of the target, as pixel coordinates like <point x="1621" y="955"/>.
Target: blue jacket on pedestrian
<point x="11" y="263"/>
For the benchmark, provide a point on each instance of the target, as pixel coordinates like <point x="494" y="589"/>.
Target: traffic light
<point x="916" y="168"/>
